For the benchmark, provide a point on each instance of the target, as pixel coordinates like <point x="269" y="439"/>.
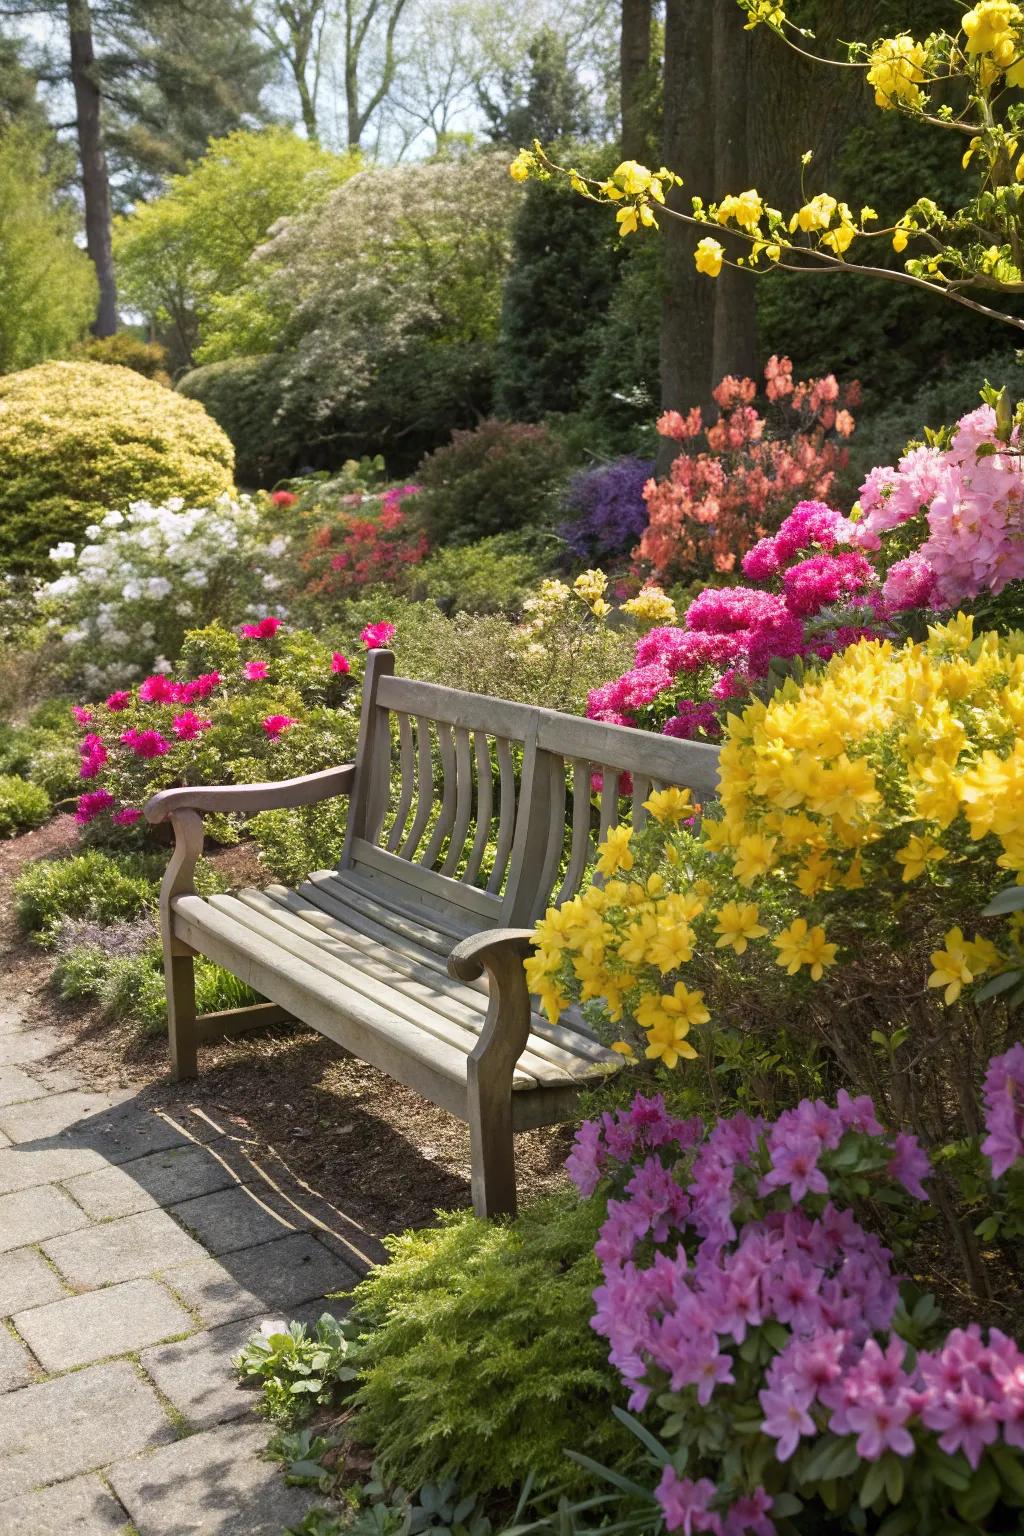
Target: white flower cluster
<point x="146" y="575"/>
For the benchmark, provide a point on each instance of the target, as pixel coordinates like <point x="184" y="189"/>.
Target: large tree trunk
<point x="95" y="178"/>
<point x="634" y="72"/>
<point x="735" y="325"/>
<point x="687" y="306"/>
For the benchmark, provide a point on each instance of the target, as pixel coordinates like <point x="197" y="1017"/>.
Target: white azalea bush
<point x="122" y="601"/>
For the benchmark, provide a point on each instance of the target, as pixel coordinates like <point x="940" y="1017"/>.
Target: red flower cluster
<point x="371" y="544"/>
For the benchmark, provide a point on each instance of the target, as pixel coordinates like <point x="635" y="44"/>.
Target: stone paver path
<point x="139" y="1249"/>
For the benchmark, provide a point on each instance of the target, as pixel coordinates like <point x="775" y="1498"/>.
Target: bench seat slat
<point x="383" y="896"/>
<point x="561" y="1044"/>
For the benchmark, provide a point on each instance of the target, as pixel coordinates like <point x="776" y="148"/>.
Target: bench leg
<point x="492" y="1151"/>
<point x="179" y="972"/>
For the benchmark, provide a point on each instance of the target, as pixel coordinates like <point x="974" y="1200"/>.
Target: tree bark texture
<point x="95" y="177"/>
<point x="634" y="71"/>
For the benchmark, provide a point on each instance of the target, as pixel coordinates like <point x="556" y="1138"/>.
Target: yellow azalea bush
<point x="867" y="815"/>
<point x="966" y="80"/>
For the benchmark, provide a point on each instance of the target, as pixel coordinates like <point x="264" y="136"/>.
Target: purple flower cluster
<point x="686" y="1506"/>
<point x="608" y="507"/>
<point x="1004" y="1110"/>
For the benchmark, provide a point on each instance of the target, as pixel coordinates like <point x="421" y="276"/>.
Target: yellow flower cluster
<point x="897" y="72"/>
<point x="591" y="587"/>
<point x="651" y="606"/>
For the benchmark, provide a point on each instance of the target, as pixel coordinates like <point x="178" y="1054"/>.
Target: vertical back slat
<point x="506" y="813"/>
<point x="407" y="762"/>
<point x="556" y="835"/>
<point x="463" y="800"/>
<point x="373" y="758"/>
<point x="424" y="788"/>
<point x="446" y="814"/>
<point x="609" y="801"/>
<point x="582" y="846"/>
<point x="484" y="802"/>
<point x="641" y="792"/>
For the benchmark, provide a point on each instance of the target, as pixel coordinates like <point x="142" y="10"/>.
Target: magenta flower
<point x="126" y="816"/>
<point x="256" y="671"/>
<point x="94" y="756"/>
<point x="198" y="688"/>
<point x="264" y="630"/>
<point x="795" y="1166"/>
<point x="158" y="689"/>
<point x="83" y="716"/>
<point x="785" y="1419"/>
<point x="375" y="636"/>
<point x="146" y="743"/>
<point x="1004" y="1110"/>
<point x="119" y="700"/>
<point x="749" y="1516"/>
<point x="275" y="724"/>
<point x="967" y="1423"/>
<point x="910" y="1165"/>
<point x="340" y="663"/>
<point x="880" y="1426"/>
<point x="188" y="726"/>
<point x="92" y="804"/>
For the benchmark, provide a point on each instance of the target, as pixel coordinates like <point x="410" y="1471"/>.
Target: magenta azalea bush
<point x="796" y="1383"/>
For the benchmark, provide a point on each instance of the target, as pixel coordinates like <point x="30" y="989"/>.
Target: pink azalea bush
<point x="814" y="597"/>
<point x="971" y="498"/>
<point x="715" y="503"/>
<point x="757" y="1323"/>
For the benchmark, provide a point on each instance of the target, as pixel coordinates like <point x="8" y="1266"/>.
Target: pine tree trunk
<point x="634" y="68"/>
<point x="95" y="178"/>
<point x="687" y="307"/>
<point x="735" y="293"/>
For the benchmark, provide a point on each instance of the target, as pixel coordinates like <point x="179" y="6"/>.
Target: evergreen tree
<point x="543" y="99"/>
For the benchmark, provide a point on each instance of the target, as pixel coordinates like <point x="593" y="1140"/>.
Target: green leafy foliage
<point x="77" y="439"/>
<point x="48" y="283"/>
<point x="491" y="576"/>
<point x="477" y="1360"/>
<point x="125" y="350"/>
<point x="23" y="805"/>
<point x="294" y="843"/>
<point x="44" y="750"/>
<point x="91" y="884"/>
<point x="243" y="395"/>
<point x="299" y="1370"/>
<point x="500" y="476"/>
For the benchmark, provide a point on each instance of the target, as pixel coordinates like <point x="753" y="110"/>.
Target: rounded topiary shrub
<point x="79" y="438"/>
<point x="243" y="395"/>
<point x="500" y="476"/>
<point x="22" y="805"/>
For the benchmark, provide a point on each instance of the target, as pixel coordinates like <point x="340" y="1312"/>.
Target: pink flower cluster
<point x="266" y="629"/>
<point x="160" y="689"/>
<point x="94" y="755"/>
<point x="972" y="498"/>
<point x="827" y="600"/>
<point x="686" y="1506"/>
<point x="376" y="636"/>
<point x="1004" y="1110"/>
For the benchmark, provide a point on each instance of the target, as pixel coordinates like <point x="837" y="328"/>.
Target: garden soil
<point x="358" y="1139"/>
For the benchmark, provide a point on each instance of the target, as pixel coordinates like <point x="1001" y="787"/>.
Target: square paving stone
<point x="26" y="1280"/>
<point x="270" y="1279"/>
<point x="23" y="1045"/>
<point x="76" y="1423"/>
<point x="212" y="1484"/>
<point x="32" y="1214"/>
<point x="119" y="1318"/>
<point x="15" y="1365"/>
<point x="122" y="1250"/>
<point x="198" y="1376"/>
<point x="162" y="1178"/>
<point x="82" y="1505"/>
<point x="21" y="1168"/>
<point x="16" y="1085"/>
<point x="108" y="1123"/>
<point x="231" y="1219"/>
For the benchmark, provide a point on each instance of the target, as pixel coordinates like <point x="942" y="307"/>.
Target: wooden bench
<point x="386" y="954"/>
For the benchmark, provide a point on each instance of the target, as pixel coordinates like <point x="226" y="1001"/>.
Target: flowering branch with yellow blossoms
<point x="977" y="247"/>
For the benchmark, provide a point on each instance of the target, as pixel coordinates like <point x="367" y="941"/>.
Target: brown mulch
<point x="380" y="1153"/>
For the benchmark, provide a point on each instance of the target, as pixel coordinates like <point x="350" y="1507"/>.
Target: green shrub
<point x="129" y="985"/>
<point x="79" y="438"/>
<point x="243" y="395"/>
<point x="45" y="750"/>
<point x="88" y="885"/>
<point x="22" y="805"/>
<point x="478" y="1361"/>
<point x="294" y="843"/>
<point x="491" y="576"/>
<point x="124" y="350"/>
<point x="500" y="476"/>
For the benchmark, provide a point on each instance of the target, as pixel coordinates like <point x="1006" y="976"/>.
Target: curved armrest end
<point x="248" y="799"/>
<point x="489" y="950"/>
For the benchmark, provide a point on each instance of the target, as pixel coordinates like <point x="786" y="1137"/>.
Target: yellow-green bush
<point x="79" y="438"/>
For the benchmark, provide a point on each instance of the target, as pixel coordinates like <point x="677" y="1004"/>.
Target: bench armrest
<point x="490" y="951"/>
<point x="247" y="799"/>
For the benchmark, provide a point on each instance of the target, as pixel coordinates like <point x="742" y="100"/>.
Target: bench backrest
<point x="532" y="806"/>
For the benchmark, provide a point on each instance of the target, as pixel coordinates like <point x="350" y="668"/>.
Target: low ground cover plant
<point x="23" y="805"/>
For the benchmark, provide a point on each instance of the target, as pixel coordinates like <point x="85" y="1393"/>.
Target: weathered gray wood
<point x="641" y="792"/>
<point x="446" y="814"/>
<point x="556" y="836"/>
<point x="429" y="882"/>
<point x="179" y="966"/>
<point x="247" y="799"/>
<point x="239" y="1021"/>
<point x="628" y="750"/>
<point x="407" y="761"/>
<point x="609" y="802"/>
<point x="484" y="801"/>
<point x="473" y="711"/>
<point x="373" y="752"/>
<point x="424" y="788"/>
<point x="582" y="849"/>
<point x="463" y="802"/>
<point x="506" y="813"/>
<point x="533" y="829"/>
